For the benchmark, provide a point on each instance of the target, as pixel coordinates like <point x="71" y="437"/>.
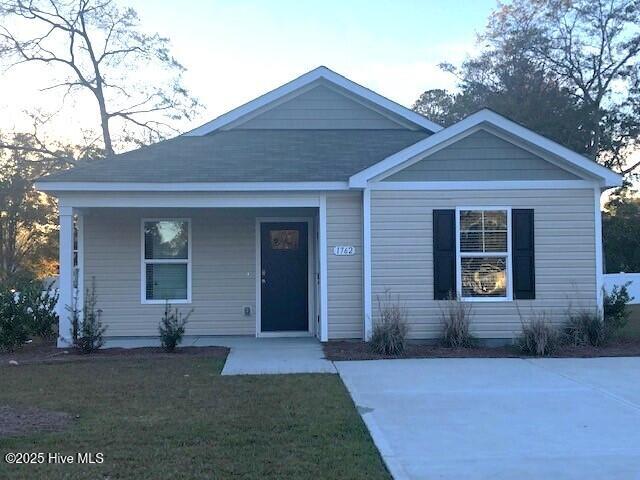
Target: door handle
<point x="263" y="277"/>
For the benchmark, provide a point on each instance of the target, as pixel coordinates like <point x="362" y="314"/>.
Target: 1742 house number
<point x="344" y="251"/>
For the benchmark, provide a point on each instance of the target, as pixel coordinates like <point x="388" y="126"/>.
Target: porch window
<point x="484" y="253"/>
<point x="166" y="260"/>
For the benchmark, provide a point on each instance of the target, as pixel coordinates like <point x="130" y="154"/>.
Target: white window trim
<point x="509" y="290"/>
<point x="144" y="262"/>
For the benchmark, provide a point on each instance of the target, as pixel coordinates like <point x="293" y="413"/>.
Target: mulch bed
<point x="16" y="421"/>
<point x="356" y="350"/>
<point x="47" y="352"/>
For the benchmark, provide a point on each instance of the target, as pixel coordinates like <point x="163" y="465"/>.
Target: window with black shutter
<point x="444" y="254"/>
<point x="523" y="245"/>
<point x="483" y="254"/>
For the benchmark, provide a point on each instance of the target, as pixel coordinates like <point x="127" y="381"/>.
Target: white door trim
<point x="310" y="276"/>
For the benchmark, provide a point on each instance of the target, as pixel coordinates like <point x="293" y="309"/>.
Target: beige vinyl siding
<point x="319" y="108"/>
<point x="402" y="255"/>
<point x="223" y="268"/>
<point x="482" y="156"/>
<point x="344" y="227"/>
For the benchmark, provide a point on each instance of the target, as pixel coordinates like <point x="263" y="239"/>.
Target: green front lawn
<point x="178" y="418"/>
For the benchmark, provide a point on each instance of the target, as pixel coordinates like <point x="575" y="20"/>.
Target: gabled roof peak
<point x="318" y="73"/>
<point x="480" y="119"/>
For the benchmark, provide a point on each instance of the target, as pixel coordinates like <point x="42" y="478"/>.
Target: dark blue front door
<point x="284" y="277"/>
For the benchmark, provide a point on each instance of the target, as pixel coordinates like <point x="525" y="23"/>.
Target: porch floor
<point x="256" y="356"/>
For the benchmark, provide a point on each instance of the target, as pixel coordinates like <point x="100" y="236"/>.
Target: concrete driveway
<point x="502" y="418"/>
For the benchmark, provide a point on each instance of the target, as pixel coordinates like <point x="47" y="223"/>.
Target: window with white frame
<point x="484" y="253"/>
<point x="166" y="260"/>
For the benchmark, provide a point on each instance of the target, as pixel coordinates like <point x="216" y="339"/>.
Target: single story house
<point x="291" y="214"/>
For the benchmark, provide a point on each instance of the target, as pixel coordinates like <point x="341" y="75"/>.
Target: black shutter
<point x="523" y="255"/>
<point x="444" y="254"/>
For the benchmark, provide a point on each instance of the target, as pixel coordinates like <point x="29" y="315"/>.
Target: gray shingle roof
<point x="249" y="156"/>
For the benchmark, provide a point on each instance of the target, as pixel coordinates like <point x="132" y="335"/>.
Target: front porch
<point x="250" y="269"/>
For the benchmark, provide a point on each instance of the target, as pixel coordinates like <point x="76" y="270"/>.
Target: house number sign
<point x="344" y="251"/>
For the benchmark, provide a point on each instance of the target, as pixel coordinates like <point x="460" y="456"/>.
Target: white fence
<point x="613" y="279"/>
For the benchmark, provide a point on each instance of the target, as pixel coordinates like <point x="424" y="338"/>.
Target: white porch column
<point x="324" y="284"/>
<point x="65" y="279"/>
<point x="366" y="259"/>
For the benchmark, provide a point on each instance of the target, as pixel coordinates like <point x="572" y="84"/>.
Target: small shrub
<point x="40" y="302"/>
<point x="14" y="320"/>
<point x="616" y="313"/>
<point x="26" y="310"/>
<point x="91" y="331"/>
<point x="538" y="337"/>
<point x="586" y="327"/>
<point x="389" y="335"/>
<point x="456" y="320"/>
<point x="172" y="327"/>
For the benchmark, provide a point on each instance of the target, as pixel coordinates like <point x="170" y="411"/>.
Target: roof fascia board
<point x="188" y="199"/>
<point x="398" y="159"/>
<point x="608" y="176"/>
<point x="378" y="99"/>
<point x="306" y="79"/>
<point x="268" y="106"/>
<point x="373" y="106"/>
<point x="542" y="153"/>
<point x="310" y="86"/>
<point x="487" y="127"/>
<point x="45" y="186"/>
<point x="486" y="185"/>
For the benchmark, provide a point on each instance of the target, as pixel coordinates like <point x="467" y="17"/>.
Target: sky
<point x="235" y="50"/>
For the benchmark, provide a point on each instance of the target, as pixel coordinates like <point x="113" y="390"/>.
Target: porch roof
<point x="249" y="156"/>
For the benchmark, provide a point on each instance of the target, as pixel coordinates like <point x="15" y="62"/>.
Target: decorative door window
<point x="284" y="239"/>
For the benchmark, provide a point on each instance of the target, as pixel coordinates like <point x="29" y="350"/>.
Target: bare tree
<point x="593" y="47"/>
<point x="50" y="155"/>
<point x="96" y="47"/>
<point x="28" y="231"/>
<point x="27" y="217"/>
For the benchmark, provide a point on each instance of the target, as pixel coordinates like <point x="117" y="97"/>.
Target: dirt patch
<point x="15" y="421"/>
<point x="356" y="350"/>
<point x="46" y="352"/>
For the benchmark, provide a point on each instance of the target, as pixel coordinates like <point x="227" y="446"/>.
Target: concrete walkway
<point x="253" y="356"/>
<point x="561" y="419"/>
